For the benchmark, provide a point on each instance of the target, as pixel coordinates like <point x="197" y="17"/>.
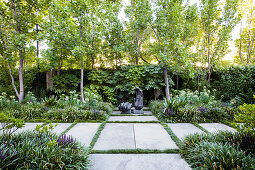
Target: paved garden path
<point x="133" y="142"/>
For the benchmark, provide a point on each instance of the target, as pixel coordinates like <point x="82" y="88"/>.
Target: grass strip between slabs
<point x="200" y="127"/>
<point x="70" y="127"/>
<point x="228" y="124"/>
<point x="171" y="133"/>
<point x="134" y="151"/>
<point x="152" y="121"/>
<point x="96" y="136"/>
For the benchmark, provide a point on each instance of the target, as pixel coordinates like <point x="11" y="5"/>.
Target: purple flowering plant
<point x="67" y="141"/>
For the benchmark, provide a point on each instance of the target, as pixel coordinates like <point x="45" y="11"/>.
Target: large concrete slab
<point x="138" y="161"/>
<point x="28" y="126"/>
<point x="61" y="127"/>
<point x="116" y="136"/>
<point x="84" y="132"/>
<point x="152" y="136"/>
<point x="133" y="118"/>
<point x="215" y="127"/>
<point x="181" y="130"/>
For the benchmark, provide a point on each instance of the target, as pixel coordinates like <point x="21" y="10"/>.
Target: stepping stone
<point x="147" y="112"/>
<point x="84" y="132"/>
<point x="61" y="127"/>
<point x="152" y="136"/>
<point x="116" y="136"/>
<point x="116" y="113"/>
<point x="28" y="126"/>
<point x="119" y="113"/>
<point x="181" y="130"/>
<point x="215" y="127"/>
<point x="133" y="118"/>
<point x="138" y="161"/>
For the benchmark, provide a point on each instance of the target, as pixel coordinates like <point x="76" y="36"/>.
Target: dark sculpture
<point x="125" y="108"/>
<point x="138" y="101"/>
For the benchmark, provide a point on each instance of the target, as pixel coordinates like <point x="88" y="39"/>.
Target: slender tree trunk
<point x="177" y="82"/>
<point x="198" y="83"/>
<point x="13" y="82"/>
<point x="81" y="85"/>
<point x="92" y="40"/>
<point x="167" y="84"/>
<point x="139" y="48"/>
<point x="82" y="78"/>
<point x="250" y="50"/>
<point x="61" y="62"/>
<point x="116" y="60"/>
<point x="249" y="35"/>
<point x="21" y="87"/>
<point x="240" y="47"/>
<point x="209" y="60"/>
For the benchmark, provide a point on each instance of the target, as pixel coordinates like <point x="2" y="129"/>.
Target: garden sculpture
<point x="125" y="108"/>
<point x="138" y="101"/>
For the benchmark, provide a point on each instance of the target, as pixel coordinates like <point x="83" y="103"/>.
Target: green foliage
<point x="156" y="106"/>
<point x="47" y="129"/>
<point x="70" y="114"/>
<point x="65" y="82"/>
<point x="9" y="124"/>
<point x="32" y="150"/>
<point x="107" y="107"/>
<point x="246" y="117"/>
<point x="216" y="151"/>
<point x="188" y="106"/>
<point x="66" y="108"/>
<point x="219" y="156"/>
<point x="122" y="81"/>
<point x="235" y="82"/>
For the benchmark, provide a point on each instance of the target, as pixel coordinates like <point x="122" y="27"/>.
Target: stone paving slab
<point x="28" y="126"/>
<point x="116" y="136"/>
<point x="133" y="118"/>
<point x="152" y="136"/>
<point x="138" y="162"/>
<point x="215" y="127"/>
<point x="84" y="132"/>
<point x="145" y="113"/>
<point x="61" y="127"/>
<point x="181" y="130"/>
<point x="116" y="108"/>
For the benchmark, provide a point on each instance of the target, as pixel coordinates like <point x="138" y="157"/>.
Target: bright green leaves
<point x="139" y="14"/>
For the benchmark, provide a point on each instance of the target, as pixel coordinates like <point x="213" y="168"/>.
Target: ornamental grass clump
<point x="216" y="151"/>
<point x="8" y="156"/>
<point x="39" y="150"/>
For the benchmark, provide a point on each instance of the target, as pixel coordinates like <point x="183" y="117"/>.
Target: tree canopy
<point x="88" y="34"/>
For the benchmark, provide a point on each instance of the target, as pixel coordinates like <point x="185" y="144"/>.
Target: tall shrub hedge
<point x="235" y="82"/>
<point x="116" y="85"/>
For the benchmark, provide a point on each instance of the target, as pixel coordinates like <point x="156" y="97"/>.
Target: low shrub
<point x="189" y="106"/>
<point x="246" y="117"/>
<point x="33" y="150"/>
<point x="107" y="107"/>
<point x="71" y="114"/>
<point x="216" y="151"/>
<point x="156" y="106"/>
<point x="65" y="108"/>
